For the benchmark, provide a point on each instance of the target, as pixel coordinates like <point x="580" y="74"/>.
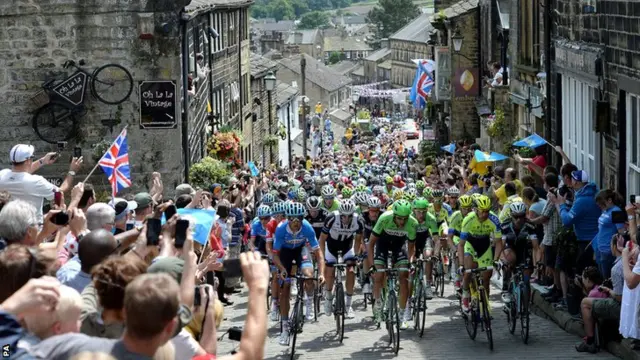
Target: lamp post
<point x="270" y="84"/>
<point x="457" y="40"/>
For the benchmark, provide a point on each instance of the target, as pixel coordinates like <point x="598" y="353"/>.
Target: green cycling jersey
<point x="387" y="229"/>
<point x="429" y="224"/>
<point x="334" y="206"/>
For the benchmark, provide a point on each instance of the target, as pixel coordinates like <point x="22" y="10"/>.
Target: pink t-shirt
<point x="595" y="293"/>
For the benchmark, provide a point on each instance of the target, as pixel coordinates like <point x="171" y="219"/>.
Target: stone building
<point x="159" y="44"/>
<point x="372" y="73"/>
<point x="260" y="67"/>
<point x="349" y="47"/>
<point x="288" y="121"/>
<point x="290" y="42"/>
<point x="407" y="44"/>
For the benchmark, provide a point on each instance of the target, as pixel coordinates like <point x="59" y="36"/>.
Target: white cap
<point x="21" y="153"/>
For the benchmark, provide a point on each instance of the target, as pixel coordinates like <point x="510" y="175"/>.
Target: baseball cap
<point x="21" y="153"/>
<point x="580" y="176"/>
<point x="184" y="189"/>
<point x="215" y="189"/>
<point x="169" y="265"/>
<point x="142" y="200"/>
<point x="122" y="209"/>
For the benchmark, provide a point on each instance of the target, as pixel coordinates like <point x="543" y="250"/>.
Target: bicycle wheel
<point x="421" y="309"/>
<point x="417" y="290"/>
<point x="471" y="323"/>
<point x="394" y="323"/>
<point x="441" y="276"/>
<point x="524" y="314"/>
<point x="55" y="121"/>
<point x="486" y="318"/>
<point x="112" y="84"/>
<point x="338" y="312"/>
<point x="293" y="328"/>
<point x="512" y="311"/>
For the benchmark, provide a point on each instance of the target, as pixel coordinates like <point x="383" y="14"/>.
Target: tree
<point x="334" y="57"/>
<point x="300" y="7"/>
<point x="389" y="16"/>
<point x="316" y="5"/>
<point x="314" y="20"/>
<point x="282" y="10"/>
<point x="338" y="4"/>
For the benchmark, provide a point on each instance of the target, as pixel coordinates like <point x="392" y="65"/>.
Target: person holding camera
<point x="610" y="223"/>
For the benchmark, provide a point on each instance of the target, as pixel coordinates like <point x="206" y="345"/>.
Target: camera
<point x="212" y="32"/>
<point x="235" y="333"/>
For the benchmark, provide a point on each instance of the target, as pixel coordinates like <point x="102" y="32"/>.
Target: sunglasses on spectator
<point x="295" y="218"/>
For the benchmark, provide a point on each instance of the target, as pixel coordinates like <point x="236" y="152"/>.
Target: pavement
<point x="445" y="336"/>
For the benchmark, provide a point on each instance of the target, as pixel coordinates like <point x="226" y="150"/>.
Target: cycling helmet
<point x="518" y="208"/>
<point x="362" y="181"/>
<point x="313" y="203"/>
<point x="420" y="204"/>
<point x="428" y="192"/>
<point x="268" y="199"/>
<point x="347" y="192"/>
<point x="483" y="202"/>
<point x="374" y="203"/>
<point x="453" y="191"/>
<point x="264" y="211"/>
<point x="420" y="184"/>
<point x="361" y="188"/>
<point x="347" y="207"/>
<point x="397" y="178"/>
<point x="361" y="198"/>
<point x="401" y="208"/>
<point x="328" y="191"/>
<point x="301" y="195"/>
<point x="410" y="195"/>
<point x="388" y="180"/>
<point x="291" y="195"/>
<point x="378" y="189"/>
<point x="398" y="194"/>
<point x="278" y="208"/>
<point x="437" y="193"/>
<point x="307" y="179"/>
<point x="475" y="196"/>
<point x="295" y="209"/>
<point x="465" y="201"/>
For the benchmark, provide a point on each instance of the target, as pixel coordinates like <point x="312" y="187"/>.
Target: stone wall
<point x="261" y="127"/>
<point x="38" y="37"/>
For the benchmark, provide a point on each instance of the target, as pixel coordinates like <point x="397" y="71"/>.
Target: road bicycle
<point x="419" y="299"/>
<point x="271" y="274"/>
<point x="339" y="307"/>
<point x="439" y="272"/>
<point x="61" y="101"/>
<point x="518" y="308"/>
<point x="479" y="309"/>
<point x="296" y="319"/>
<point x="317" y="292"/>
<point x="363" y="276"/>
<point x="390" y="313"/>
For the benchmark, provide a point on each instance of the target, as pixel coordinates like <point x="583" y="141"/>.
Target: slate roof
<point x="284" y="25"/>
<point x="350" y="43"/>
<point x="385" y="64"/>
<point x="197" y="7"/>
<point x="317" y="72"/>
<point x="344" y="67"/>
<point x="416" y="31"/>
<point x="284" y="92"/>
<point x="272" y="54"/>
<point x="261" y="65"/>
<point x="308" y="37"/>
<point x="350" y="20"/>
<point x="359" y="71"/>
<point x="378" y="54"/>
<point x="460" y="8"/>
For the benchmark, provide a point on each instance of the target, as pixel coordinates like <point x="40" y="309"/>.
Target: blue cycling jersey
<point x="285" y="239"/>
<point x="258" y="231"/>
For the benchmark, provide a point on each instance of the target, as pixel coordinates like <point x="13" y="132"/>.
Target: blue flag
<point x="480" y="156"/>
<point x="451" y="148"/>
<point x="532" y="141"/>
<point x="201" y="222"/>
<point x="253" y="168"/>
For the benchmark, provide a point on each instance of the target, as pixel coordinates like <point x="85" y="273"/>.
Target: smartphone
<point x="170" y="211"/>
<point x="618" y="217"/>
<point x="57" y="198"/>
<point x="232" y="268"/>
<point x="197" y="299"/>
<point x="77" y="152"/>
<point x="129" y="226"/>
<point x="154" y="227"/>
<point x="181" y="233"/>
<point x="60" y="219"/>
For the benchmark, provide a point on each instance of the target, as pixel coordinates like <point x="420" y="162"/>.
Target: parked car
<point x="410" y="128"/>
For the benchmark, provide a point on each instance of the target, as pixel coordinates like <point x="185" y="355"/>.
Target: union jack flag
<point x="422" y="83"/>
<point x="115" y="163"/>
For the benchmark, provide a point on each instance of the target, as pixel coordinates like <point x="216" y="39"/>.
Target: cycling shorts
<point x="423" y="244"/>
<point x="484" y="260"/>
<point x="349" y="258"/>
<point x="400" y="258"/>
<point x="300" y="255"/>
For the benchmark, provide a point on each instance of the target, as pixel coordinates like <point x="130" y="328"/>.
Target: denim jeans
<point x="605" y="263"/>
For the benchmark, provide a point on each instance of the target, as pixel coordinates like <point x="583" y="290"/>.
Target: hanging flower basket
<point x="224" y="145"/>
<point x="271" y="140"/>
<point x="282" y="132"/>
<point x="496" y="125"/>
<point x="99" y="149"/>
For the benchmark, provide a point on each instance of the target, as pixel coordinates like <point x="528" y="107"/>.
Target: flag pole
<point x="98" y="163"/>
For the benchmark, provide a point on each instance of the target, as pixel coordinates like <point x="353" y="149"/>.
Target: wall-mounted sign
<point x="443" y="73"/>
<point x="57" y="181"/>
<point x="72" y="89"/>
<point x="465" y="82"/>
<point x="158" y="105"/>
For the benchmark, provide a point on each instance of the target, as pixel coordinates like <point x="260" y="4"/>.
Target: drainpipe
<point x="186" y="150"/>
<point x="547" y="69"/>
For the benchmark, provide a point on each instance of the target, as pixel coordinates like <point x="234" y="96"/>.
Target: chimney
<point x="297" y="38"/>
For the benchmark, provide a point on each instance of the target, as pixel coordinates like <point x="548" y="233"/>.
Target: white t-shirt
<point x="27" y="187"/>
<point x="629" y="309"/>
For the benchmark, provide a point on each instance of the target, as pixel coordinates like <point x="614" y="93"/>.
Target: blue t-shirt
<point x="284" y="238"/>
<point x="538" y="206"/>
<point x="606" y="230"/>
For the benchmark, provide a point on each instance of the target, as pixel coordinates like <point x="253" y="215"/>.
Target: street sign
<point x="158" y="108"/>
<point x="57" y="181"/>
<point x="72" y="89"/>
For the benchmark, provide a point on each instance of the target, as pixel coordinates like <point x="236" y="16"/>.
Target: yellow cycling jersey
<point x="474" y="230"/>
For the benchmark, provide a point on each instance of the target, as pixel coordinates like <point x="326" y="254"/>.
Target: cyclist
<point x="277" y="217"/>
<point x="393" y="229"/>
<point x="289" y="243"/>
<point x="479" y="230"/>
<point x="258" y="239"/>
<point x="347" y="192"/>
<point x="441" y="211"/>
<point x="420" y="186"/>
<point x="342" y="231"/>
<point x="512" y="197"/>
<point x="268" y="199"/>
<point x="427" y="228"/>
<point x="388" y="188"/>
<point x="455" y="227"/>
<point x="329" y="201"/>
<point x="361" y="199"/>
<point x="369" y="218"/>
<point x="452" y="198"/>
<point x="316" y="215"/>
<point x="517" y="236"/>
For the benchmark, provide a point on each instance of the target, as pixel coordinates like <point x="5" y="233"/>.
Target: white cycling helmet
<point x="328" y="191"/>
<point x="374" y="203"/>
<point x="518" y="208"/>
<point x="360" y="198"/>
<point x="313" y="203"/>
<point x="454" y="191"/>
<point x="347" y="207"/>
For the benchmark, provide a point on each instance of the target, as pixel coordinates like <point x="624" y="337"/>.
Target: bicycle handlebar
<point x="478" y="270"/>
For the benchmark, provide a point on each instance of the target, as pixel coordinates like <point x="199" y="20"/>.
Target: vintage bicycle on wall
<point x="61" y="101"/>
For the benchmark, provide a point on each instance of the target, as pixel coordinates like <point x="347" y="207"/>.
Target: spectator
<point x="19" y="223"/>
<point x="92" y="249"/>
<point x="183" y="201"/>
<point x="608" y="201"/>
<point x="184" y="189"/>
<point x="237" y="220"/>
<point x="594" y="309"/>
<point x="103" y="299"/>
<point x="551" y="223"/>
<point x="20" y="182"/>
<point x="510" y="175"/>
<point x="99" y="216"/>
<point x="19" y="263"/>
<point x="143" y="208"/>
<point x="529" y="181"/>
<point x="88" y="197"/>
<point x="630" y="294"/>
<point x="583" y="215"/>
<point x="512" y="197"/>
<point x="536" y="164"/>
<point x="535" y="206"/>
<point x="122" y="211"/>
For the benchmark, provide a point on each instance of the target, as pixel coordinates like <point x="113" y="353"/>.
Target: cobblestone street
<point x="445" y="337"/>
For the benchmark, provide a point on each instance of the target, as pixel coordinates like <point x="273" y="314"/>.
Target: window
<point x="244" y="24"/>
<point x="218" y="105"/>
<point x="244" y="91"/>
<point x="579" y="141"/>
<point x="232" y="27"/>
<point x="529" y="36"/>
<point x="217" y="44"/>
<point x="633" y="150"/>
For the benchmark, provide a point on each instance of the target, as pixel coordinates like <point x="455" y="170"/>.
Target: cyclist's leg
<point x="286" y="257"/>
<point x="470" y="262"/>
<point x="366" y="283"/>
<point x="428" y="265"/>
<point x="275" y="289"/>
<point x="329" y="272"/>
<point x="306" y="267"/>
<point x="509" y="259"/>
<point x="486" y="260"/>
<point x="401" y="262"/>
<point x="380" y="261"/>
<point x="350" y="260"/>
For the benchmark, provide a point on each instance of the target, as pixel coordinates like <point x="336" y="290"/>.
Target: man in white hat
<point x="22" y="184"/>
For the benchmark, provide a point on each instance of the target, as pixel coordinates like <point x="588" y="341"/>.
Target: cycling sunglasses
<point x="295" y="218"/>
<point x="518" y="216"/>
<point x="404" y="218"/>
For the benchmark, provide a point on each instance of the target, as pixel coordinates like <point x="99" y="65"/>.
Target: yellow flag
<point x="209" y="110"/>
